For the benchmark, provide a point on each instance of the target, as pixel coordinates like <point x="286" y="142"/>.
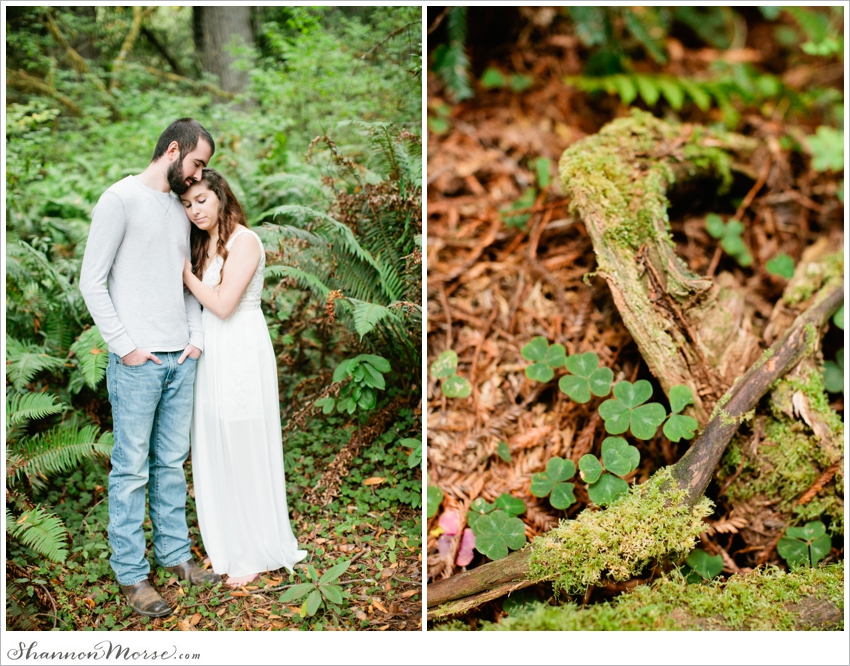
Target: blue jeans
<point x="151" y="414"/>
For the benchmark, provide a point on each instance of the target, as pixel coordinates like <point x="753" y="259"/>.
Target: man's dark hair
<point x="186" y="133"/>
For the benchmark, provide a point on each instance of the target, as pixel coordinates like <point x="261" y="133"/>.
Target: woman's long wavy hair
<point x="230" y="214"/>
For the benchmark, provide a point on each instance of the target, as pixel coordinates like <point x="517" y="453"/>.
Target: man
<point x="132" y="283"/>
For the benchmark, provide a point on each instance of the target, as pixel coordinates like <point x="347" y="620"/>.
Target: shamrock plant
<point x="781" y="265"/>
<point x="729" y="235"/>
<point x="700" y="566"/>
<point x="496" y="526"/>
<point x="833" y="373"/>
<point x="553" y="482"/>
<point x="586" y="377"/>
<point x="544" y="357"/>
<point x="503" y="451"/>
<point x="805" y="545"/>
<point x="445" y="368"/>
<point x="366" y="372"/>
<point x="626" y="411"/>
<point x="319" y="591"/>
<point x="678" y="426"/>
<point x="434" y="498"/>
<point x="619" y="458"/>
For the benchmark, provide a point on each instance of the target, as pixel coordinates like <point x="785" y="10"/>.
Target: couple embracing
<point x="172" y="277"/>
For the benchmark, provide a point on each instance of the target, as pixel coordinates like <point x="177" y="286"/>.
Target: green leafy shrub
<point x="366" y="375"/>
<point x="319" y="591"/>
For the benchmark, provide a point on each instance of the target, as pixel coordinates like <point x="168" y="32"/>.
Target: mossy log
<point x="764" y="600"/>
<point x="688" y="329"/>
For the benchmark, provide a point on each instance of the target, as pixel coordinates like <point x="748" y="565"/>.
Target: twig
<point x="438" y="20"/>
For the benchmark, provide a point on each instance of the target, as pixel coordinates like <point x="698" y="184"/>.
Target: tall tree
<point x="215" y="28"/>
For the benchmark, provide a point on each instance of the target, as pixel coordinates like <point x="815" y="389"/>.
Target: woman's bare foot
<point x="239" y="581"/>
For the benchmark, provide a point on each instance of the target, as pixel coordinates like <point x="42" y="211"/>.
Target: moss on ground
<point x="651" y="522"/>
<point x="791" y="457"/>
<point x="761" y="600"/>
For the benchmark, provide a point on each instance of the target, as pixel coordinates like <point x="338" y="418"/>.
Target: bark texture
<point x="215" y="29"/>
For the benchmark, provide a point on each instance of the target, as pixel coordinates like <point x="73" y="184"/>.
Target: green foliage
<point x="435" y="498"/>
<point x="626" y="411"/>
<point x="781" y="265"/>
<point x="544" y="359"/>
<point x="729" y="234"/>
<point x="838" y="318"/>
<point x="525" y="201"/>
<point x="513" y="506"/>
<point x="679" y="426"/>
<point x="365" y="373"/>
<point x="21" y="408"/>
<point x="450" y="60"/>
<point x="493" y="78"/>
<point x="586" y="378"/>
<point x="805" y="545"/>
<point x="90" y="349"/>
<point x="827" y="146"/>
<point x="701" y="567"/>
<point x="833" y="373"/>
<point x="618" y="458"/>
<point x="415" y="457"/>
<point x="498" y="532"/>
<point x="553" y="482"/>
<point x="445" y="368"/>
<point x="319" y="591"/>
<point x="503" y="451"/>
<point x="44" y="532"/>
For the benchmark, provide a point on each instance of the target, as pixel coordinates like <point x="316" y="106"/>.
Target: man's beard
<point x="176" y="179"/>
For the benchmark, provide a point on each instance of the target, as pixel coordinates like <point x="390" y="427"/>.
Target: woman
<point x="237" y="457"/>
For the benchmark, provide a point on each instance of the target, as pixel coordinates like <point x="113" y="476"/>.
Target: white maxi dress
<point x="237" y="455"/>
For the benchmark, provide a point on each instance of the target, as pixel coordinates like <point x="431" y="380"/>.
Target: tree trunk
<point x="215" y="29"/>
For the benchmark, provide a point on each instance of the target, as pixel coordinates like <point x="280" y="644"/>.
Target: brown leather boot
<point x="191" y="572"/>
<point x="145" y="600"/>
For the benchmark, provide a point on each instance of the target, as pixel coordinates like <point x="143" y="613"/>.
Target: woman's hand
<point x="187" y="272"/>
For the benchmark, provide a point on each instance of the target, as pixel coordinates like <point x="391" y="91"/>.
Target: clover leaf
<point x="513" y="506"/>
<point x="805" y="545"/>
<point x="838" y="318"/>
<point x="497" y="533"/>
<point x="626" y="411"/>
<point x="833" y="373"/>
<point x="607" y="489"/>
<point x="781" y="265"/>
<point x="479" y="507"/>
<point x="729" y="235"/>
<point x="456" y="387"/>
<point x="679" y="426"/>
<point x="445" y="365"/>
<point x="503" y="451"/>
<point x="545" y="358"/>
<point x="586" y="378"/>
<point x="701" y="566"/>
<point x="435" y="497"/>
<point x="553" y="482"/>
<point x="618" y="457"/>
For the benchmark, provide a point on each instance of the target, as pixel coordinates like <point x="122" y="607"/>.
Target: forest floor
<point x="368" y="522"/>
<point x="498" y="277"/>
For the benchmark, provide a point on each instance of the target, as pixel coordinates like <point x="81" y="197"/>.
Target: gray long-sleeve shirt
<point x="132" y="275"/>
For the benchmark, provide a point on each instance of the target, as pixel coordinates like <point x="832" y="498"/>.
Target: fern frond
<point x="303" y="279"/>
<point x="59" y="450"/>
<point x="367" y="315"/>
<point x="93" y="356"/>
<point x="44" y="532"/>
<point x="20" y="611"/>
<point x="25" y="360"/>
<point x="23" y="407"/>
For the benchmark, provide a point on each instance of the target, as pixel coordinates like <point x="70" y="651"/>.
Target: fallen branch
<point x="23" y="82"/>
<point x="688" y="478"/>
<point x="174" y="78"/>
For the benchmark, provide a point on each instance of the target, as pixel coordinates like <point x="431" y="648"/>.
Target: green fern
<point x="450" y="60"/>
<point x="20" y="614"/>
<point x="58" y="450"/>
<point x="304" y="280"/>
<point x="92" y="355"/>
<point x="40" y="530"/>
<point x="21" y="408"/>
<point x="25" y="360"/>
<point x="367" y="315"/>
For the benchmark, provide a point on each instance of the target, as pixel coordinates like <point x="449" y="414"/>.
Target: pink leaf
<point x="450" y="522"/>
<point x="467" y="543"/>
